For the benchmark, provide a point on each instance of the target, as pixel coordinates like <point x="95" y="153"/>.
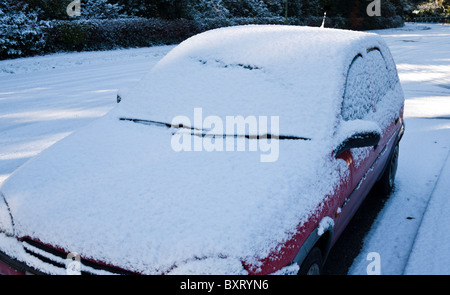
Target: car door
<point x="357" y="104"/>
<point x="370" y="95"/>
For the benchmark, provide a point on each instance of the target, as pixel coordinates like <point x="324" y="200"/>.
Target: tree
<point x="140" y="8"/>
<point x="20" y="30"/>
<point x="294" y="8"/>
<point x="100" y="9"/>
<point x="208" y="9"/>
<point x="246" y="8"/>
<point x="49" y="9"/>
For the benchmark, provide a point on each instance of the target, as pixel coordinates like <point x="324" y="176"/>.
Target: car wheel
<point x="387" y="181"/>
<point x="312" y="265"/>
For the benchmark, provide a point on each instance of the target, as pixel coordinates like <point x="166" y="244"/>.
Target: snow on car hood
<point x="116" y="192"/>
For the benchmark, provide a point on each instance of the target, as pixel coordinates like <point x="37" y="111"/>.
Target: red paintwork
<point x="5" y="270"/>
<point x="377" y="159"/>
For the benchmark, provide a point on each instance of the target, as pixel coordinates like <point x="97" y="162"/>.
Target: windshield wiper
<point x="201" y="133"/>
<point x="156" y="123"/>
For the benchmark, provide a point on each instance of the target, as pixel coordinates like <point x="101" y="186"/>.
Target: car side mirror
<point x="360" y="134"/>
<point x="121" y="94"/>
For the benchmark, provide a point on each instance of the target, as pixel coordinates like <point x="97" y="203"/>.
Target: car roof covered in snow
<point x="269" y="46"/>
<point x="296" y="73"/>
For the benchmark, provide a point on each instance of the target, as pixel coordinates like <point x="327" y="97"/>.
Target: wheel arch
<point x="321" y="238"/>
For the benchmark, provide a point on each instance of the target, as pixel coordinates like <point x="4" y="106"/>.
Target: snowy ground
<point x="44" y="99"/>
<point x="412" y="232"/>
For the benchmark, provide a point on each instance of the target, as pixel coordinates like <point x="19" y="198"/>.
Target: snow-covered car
<point x="245" y="150"/>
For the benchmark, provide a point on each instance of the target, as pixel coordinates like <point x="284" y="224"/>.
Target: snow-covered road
<point x="43" y="99"/>
<point x="412" y="233"/>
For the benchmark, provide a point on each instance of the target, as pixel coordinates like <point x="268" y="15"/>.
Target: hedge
<point x="106" y="34"/>
<point x="115" y="33"/>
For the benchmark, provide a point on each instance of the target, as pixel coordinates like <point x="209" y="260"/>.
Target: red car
<point x="246" y="150"/>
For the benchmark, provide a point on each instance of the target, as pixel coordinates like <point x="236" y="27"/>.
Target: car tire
<point x="387" y="181"/>
<point x="312" y="265"/>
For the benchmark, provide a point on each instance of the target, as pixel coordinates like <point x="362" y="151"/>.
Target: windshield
<point x="249" y="72"/>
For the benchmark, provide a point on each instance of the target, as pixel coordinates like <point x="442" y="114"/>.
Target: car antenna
<point x="323" y="21"/>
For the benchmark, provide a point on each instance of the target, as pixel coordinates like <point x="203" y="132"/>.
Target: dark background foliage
<point x="29" y="27"/>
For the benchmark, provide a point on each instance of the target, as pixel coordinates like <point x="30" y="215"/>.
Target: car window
<point x="357" y="101"/>
<point x="379" y="74"/>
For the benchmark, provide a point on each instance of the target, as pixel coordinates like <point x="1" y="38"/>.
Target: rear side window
<point x="381" y="77"/>
<point x="357" y="101"/>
